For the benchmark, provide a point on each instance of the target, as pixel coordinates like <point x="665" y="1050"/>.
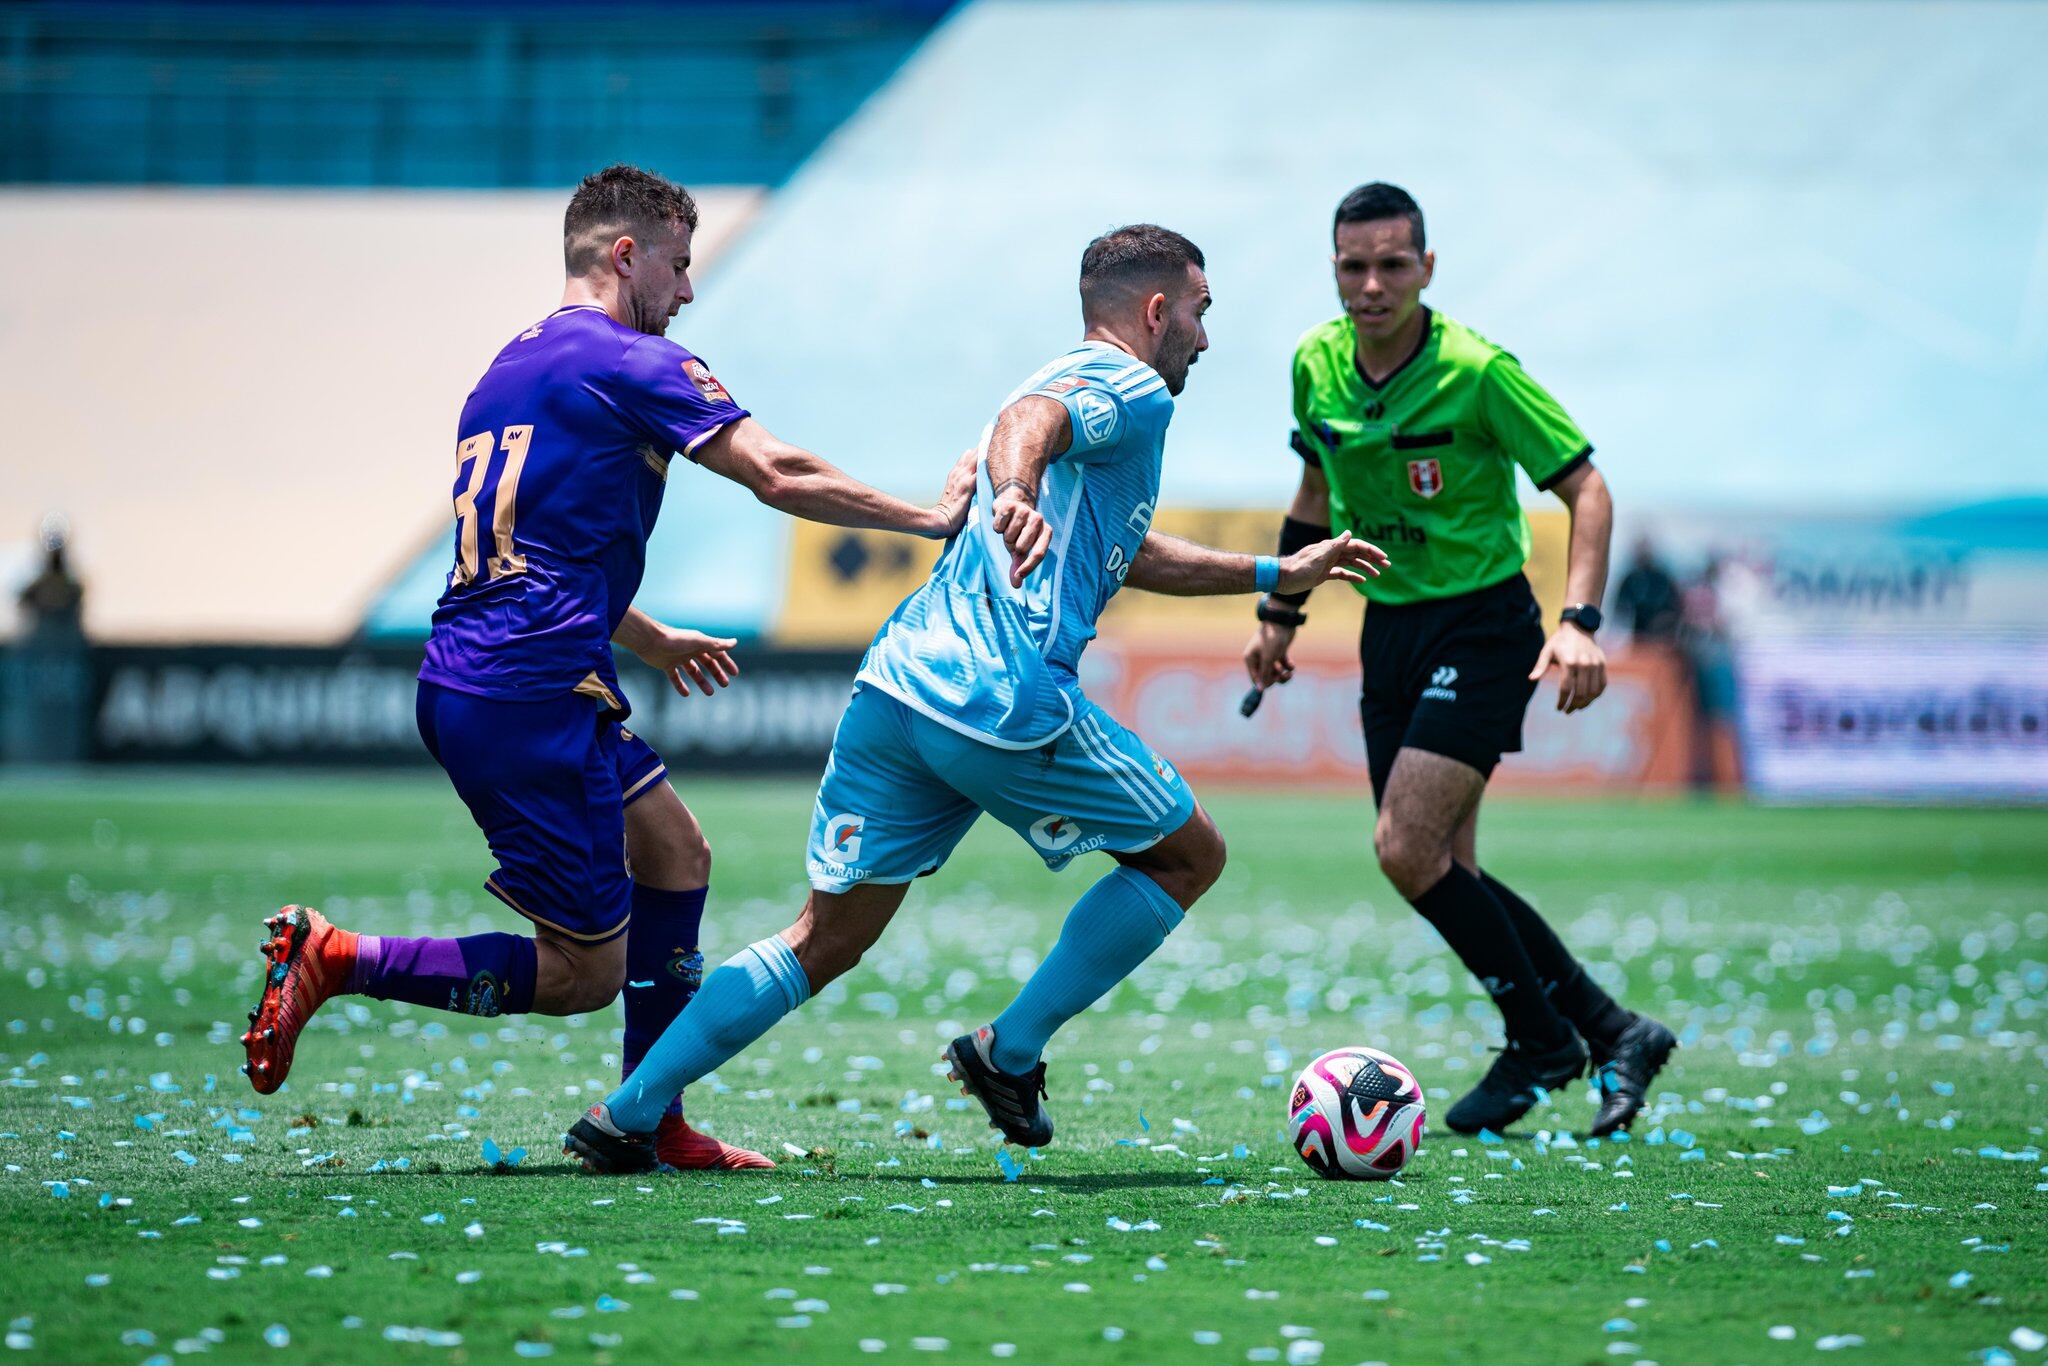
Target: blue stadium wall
<point x="501" y="94"/>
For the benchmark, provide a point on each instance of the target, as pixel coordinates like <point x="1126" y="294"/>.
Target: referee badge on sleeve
<point x="1426" y="477"/>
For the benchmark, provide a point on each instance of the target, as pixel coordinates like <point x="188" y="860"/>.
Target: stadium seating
<point x="509" y="94"/>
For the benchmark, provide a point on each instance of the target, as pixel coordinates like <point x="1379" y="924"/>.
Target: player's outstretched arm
<point x="791" y="479"/>
<point x="1028" y="436"/>
<point x="1580" y="662"/>
<point x="1167" y="564"/>
<point x="683" y="655"/>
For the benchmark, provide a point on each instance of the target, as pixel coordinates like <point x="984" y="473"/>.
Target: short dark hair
<point x="1142" y="256"/>
<point x="620" y="201"/>
<point x="1371" y="203"/>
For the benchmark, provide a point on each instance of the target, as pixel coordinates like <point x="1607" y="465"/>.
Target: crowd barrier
<point x="271" y="705"/>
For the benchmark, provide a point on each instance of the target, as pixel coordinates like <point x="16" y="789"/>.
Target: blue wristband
<point x="1266" y="573"/>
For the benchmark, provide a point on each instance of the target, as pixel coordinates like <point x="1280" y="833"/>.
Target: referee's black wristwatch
<point x="1278" y="613"/>
<point x="1583" y="615"/>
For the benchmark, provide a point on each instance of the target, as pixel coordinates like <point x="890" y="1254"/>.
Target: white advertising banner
<point x="1896" y="717"/>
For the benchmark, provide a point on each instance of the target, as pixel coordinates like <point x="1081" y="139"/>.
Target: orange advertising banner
<point x="1185" y="702"/>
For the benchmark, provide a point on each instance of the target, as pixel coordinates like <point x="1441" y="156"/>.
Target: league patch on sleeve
<point x="707" y="383"/>
<point x="1099" y="420"/>
<point x="1064" y="384"/>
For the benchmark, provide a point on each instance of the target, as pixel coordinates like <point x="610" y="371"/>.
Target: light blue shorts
<point x="901" y="789"/>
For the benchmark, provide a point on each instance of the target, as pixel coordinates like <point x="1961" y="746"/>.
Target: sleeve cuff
<point x="1584" y="457"/>
<point x="1303" y="449"/>
<point x="690" y="447"/>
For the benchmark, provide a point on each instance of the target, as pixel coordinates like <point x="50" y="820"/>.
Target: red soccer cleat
<point x="306" y="961"/>
<point x="683" y="1148"/>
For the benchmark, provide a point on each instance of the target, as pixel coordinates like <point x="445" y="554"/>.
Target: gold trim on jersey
<point x="660" y="771"/>
<point x="593" y="686"/>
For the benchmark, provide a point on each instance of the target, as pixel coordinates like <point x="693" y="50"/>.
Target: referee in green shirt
<point x="1409" y="427"/>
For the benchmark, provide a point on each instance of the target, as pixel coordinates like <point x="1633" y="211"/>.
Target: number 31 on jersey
<point x="476" y="452"/>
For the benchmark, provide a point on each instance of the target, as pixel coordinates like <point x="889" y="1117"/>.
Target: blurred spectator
<point x="1648" y="597"/>
<point x="54" y="600"/>
<point x="1703" y="635"/>
<point x="46" y="680"/>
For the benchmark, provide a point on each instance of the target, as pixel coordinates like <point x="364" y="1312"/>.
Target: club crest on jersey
<point x="1426" y="477"/>
<point x="842" y="838"/>
<point x="1098" y="417"/>
<point x="707" y="384"/>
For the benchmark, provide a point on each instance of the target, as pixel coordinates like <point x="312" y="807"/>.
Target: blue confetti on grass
<point x="498" y="1157"/>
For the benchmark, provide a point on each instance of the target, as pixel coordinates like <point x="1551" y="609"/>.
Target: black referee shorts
<point x="1449" y="676"/>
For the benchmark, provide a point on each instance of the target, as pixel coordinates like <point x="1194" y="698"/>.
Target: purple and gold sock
<point x="481" y="974"/>
<point x="663" y="967"/>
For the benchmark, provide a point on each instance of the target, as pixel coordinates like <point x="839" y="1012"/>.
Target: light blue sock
<point x="1113" y="927"/>
<point x="737" y="1004"/>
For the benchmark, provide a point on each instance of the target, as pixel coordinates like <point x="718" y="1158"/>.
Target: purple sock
<point x="483" y="974"/>
<point x="663" y="968"/>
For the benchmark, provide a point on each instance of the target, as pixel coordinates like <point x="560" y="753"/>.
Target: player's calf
<point x="837" y="928"/>
<point x="1186" y="863"/>
<point x="574" y="978"/>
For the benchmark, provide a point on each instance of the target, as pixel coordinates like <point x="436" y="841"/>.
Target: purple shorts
<point x="548" y="783"/>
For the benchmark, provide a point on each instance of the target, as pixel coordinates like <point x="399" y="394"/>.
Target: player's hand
<point x="692" y="656"/>
<point x="1265" y="655"/>
<point x="1023" y="529"/>
<point x="958" y="495"/>
<point x="1340" y="559"/>
<point x="1581" y="667"/>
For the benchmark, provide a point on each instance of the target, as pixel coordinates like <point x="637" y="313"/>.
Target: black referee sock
<point x="1596" y="1015"/>
<point x="1480" y="932"/>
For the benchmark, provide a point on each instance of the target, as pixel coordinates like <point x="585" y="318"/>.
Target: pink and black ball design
<point x="1356" y="1115"/>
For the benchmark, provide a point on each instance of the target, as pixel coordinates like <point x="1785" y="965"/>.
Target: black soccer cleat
<point x="605" y="1149"/>
<point x="1010" y="1098"/>
<point x="1625" y="1070"/>
<point x="1509" y="1089"/>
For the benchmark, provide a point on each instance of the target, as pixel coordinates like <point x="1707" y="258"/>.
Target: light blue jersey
<point x="998" y="663"/>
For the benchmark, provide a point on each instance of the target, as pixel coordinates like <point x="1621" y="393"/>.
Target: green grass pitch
<point x="1846" y="1154"/>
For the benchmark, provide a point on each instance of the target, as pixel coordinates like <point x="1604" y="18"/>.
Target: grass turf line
<point x="1861" y="992"/>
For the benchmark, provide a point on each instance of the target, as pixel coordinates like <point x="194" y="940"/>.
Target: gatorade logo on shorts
<point x="1054" y="833"/>
<point x="842" y="838"/>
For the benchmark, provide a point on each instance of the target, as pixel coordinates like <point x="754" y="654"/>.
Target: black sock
<point x="1479" y="931"/>
<point x="1596" y="1015"/>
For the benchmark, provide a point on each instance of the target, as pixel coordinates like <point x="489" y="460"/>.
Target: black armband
<point x="1296" y="534"/>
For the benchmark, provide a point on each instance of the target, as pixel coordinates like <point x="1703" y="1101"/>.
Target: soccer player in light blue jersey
<point x="968" y="701"/>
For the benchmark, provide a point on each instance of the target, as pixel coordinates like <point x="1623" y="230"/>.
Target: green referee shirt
<point x="1423" y="464"/>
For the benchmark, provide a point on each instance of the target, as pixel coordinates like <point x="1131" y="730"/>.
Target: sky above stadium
<point x="1764" y="253"/>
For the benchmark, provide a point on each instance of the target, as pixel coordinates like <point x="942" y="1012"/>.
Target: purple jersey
<point x="562" y="454"/>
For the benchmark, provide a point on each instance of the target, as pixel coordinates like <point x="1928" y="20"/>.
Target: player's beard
<point x="1175" y="355"/>
<point x="651" y="316"/>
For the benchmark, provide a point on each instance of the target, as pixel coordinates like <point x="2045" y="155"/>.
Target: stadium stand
<point x="509" y="94"/>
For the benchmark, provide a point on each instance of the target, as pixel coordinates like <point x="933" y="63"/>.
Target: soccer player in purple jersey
<point x="564" y="450"/>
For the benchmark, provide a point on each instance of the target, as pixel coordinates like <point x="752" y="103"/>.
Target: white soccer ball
<point x="1356" y="1115"/>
